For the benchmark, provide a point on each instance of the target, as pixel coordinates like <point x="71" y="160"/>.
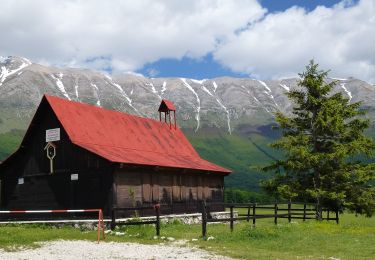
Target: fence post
<point x="319" y="212"/>
<point x="275" y="213"/>
<point x="304" y="212"/>
<point x="157" y="213"/>
<point x="102" y="223"/>
<point x="99" y="224"/>
<point x="113" y="219"/>
<point x="231" y="218"/>
<point x="337" y="216"/>
<point x="254" y="217"/>
<point x="204" y="220"/>
<point x="248" y="213"/>
<point x="289" y="213"/>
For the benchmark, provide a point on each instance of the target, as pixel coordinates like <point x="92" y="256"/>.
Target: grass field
<point x="353" y="238"/>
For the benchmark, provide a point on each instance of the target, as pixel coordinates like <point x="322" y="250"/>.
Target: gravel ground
<point x="90" y="250"/>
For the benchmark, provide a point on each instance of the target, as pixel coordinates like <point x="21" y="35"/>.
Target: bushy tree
<point x="325" y="149"/>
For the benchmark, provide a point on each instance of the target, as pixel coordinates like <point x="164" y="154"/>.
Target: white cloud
<point x="341" y="38"/>
<point x="123" y="35"/>
<point x="126" y="35"/>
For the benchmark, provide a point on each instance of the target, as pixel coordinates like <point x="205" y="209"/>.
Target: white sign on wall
<point x="74" y="177"/>
<point x="53" y="135"/>
<point x="21" y="181"/>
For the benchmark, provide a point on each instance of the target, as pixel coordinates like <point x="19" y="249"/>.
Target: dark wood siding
<point x="179" y="189"/>
<point x="146" y="188"/>
<point x="43" y="190"/>
<point x="165" y="188"/>
<point x="129" y="189"/>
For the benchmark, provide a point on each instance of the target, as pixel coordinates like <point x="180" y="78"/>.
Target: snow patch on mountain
<point x="251" y="95"/>
<point x="97" y="94"/>
<point x="207" y="91"/>
<point x="228" y="115"/>
<point x="268" y="91"/>
<point x="256" y="100"/>
<point x="265" y="85"/>
<point x="27" y="61"/>
<point x="94" y="86"/>
<point x="123" y="93"/>
<point x="284" y="87"/>
<point x="215" y="86"/>
<point x="164" y="88"/>
<point x="6" y="73"/>
<point x="346" y="91"/>
<point x="198" y="108"/>
<point x="200" y="82"/>
<point x="58" y="80"/>
<point x="341" y="79"/>
<point x="76" y="91"/>
<point x="153" y="89"/>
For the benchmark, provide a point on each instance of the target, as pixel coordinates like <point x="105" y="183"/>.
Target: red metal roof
<point x="124" y="138"/>
<point x="165" y="103"/>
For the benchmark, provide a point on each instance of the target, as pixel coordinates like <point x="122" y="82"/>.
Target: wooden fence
<point x="300" y="211"/>
<point x="277" y="211"/>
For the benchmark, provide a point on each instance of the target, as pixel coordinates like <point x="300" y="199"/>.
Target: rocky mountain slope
<point x="224" y="103"/>
<point x="216" y="114"/>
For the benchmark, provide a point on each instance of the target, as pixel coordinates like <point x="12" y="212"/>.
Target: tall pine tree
<point x="325" y="150"/>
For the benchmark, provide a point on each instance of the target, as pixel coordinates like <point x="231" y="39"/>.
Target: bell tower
<point x="167" y="107"/>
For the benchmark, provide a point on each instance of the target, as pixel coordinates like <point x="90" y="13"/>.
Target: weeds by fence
<point x="291" y="213"/>
<point x="155" y="222"/>
<point x="277" y="211"/>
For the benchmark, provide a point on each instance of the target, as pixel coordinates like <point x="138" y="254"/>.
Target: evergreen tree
<point x="324" y="148"/>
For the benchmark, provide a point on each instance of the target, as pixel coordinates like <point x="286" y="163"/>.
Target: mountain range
<point x="228" y="120"/>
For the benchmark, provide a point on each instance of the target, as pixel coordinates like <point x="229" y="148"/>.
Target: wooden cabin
<point x="76" y="155"/>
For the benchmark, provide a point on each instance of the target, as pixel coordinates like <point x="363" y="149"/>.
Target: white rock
<point x="119" y="233"/>
<point x="210" y="238"/>
<point x="194" y="239"/>
<point x="171" y="239"/>
<point x="108" y="251"/>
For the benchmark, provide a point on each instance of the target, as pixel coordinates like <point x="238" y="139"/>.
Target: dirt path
<point x="75" y="250"/>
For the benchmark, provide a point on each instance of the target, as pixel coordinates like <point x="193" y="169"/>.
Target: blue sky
<point x="281" y="5"/>
<point x="264" y="39"/>
<point x="203" y="68"/>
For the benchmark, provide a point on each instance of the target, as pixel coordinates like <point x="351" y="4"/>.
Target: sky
<point x="263" y="39"/>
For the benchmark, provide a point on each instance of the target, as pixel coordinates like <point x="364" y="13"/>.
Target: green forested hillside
<point x="242" y="152"/>
<point x="9" y="142"/>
